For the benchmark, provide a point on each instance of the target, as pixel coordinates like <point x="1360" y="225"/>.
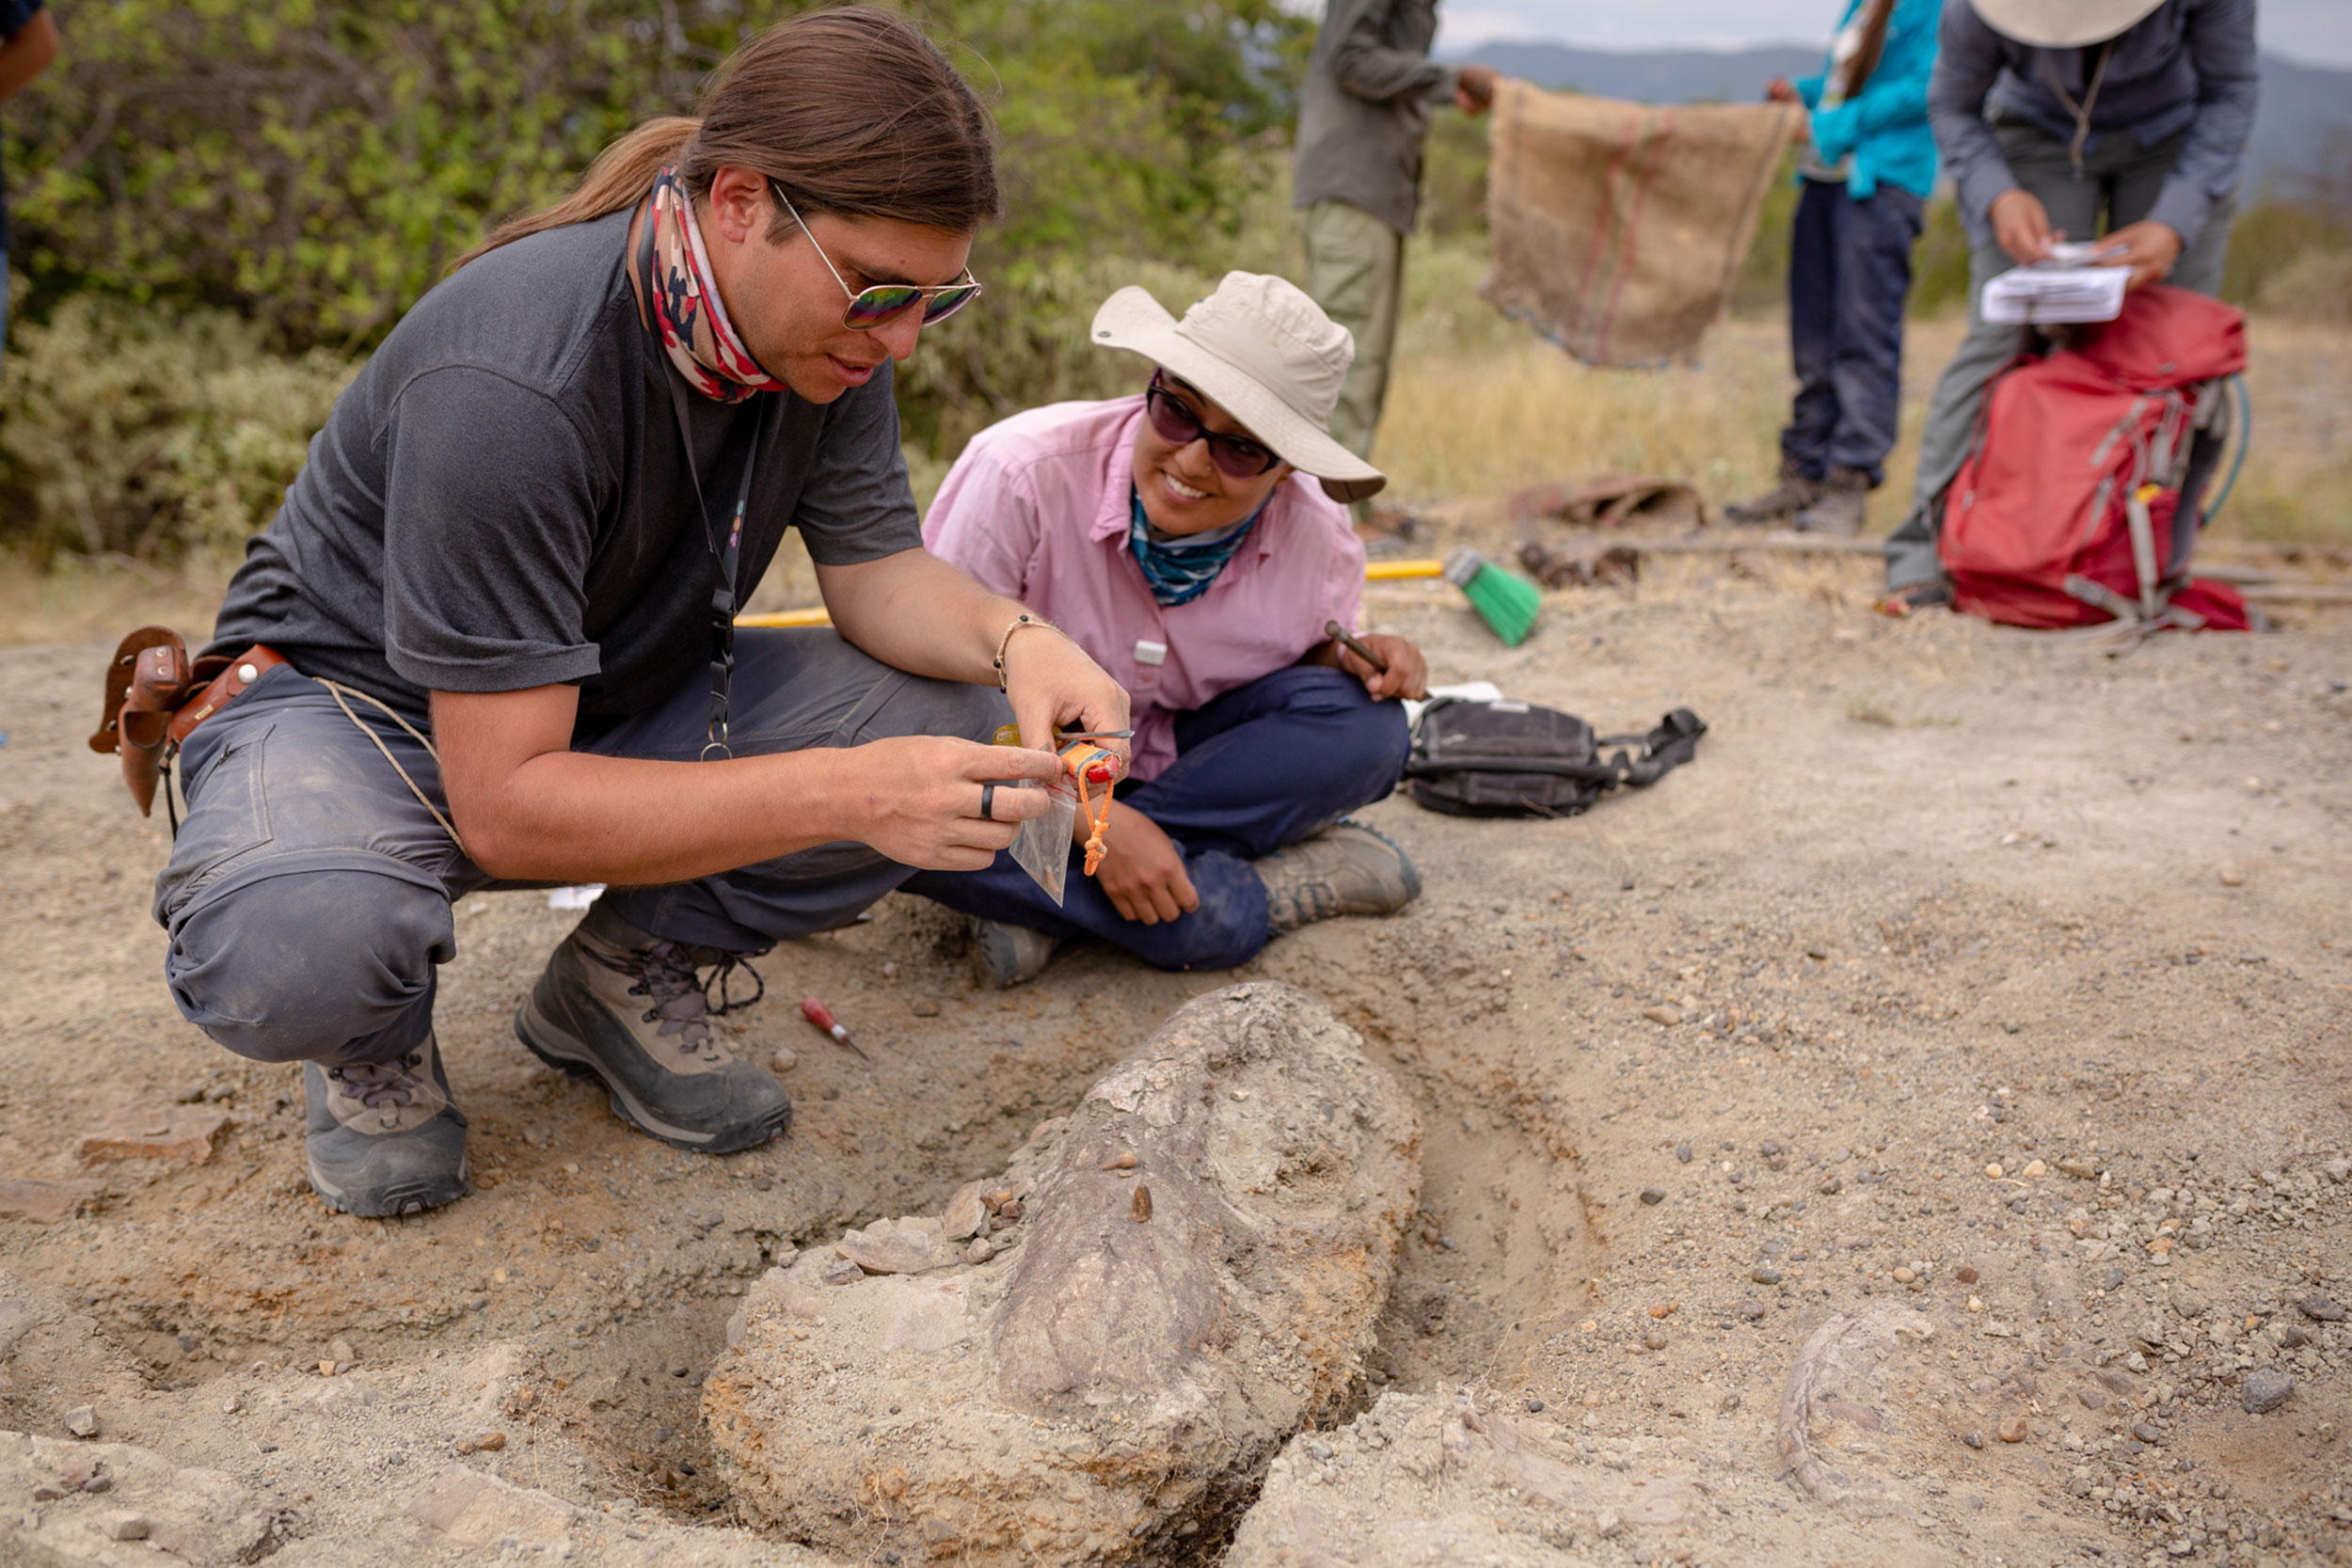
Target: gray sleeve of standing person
<point x="1366" y="66"/>
<point x="857" y="505"/>
<point x="2219" y="37"/>
<point x="1967" y="63"/>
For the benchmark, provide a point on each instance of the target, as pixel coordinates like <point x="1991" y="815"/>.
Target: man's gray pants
<point x="308" y="893"/>
<point x="2120" y="180"/>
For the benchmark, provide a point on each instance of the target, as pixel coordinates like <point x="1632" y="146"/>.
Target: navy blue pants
<point x="1262" y="766"/>
<point x="1849" y="271"/>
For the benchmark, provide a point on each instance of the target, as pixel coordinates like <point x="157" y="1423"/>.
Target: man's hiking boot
<point x="1841" y="507"/>
<point x="1795" y="491"/>
<point x="385" y="1138"/>
<point x="630" y="1010"/>
<point x="1006" y="954"/>
<point x="1345" y="870"/>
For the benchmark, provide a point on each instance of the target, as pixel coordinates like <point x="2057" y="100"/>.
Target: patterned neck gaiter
<point x="1179" y="571"/>
<point x="685" y="307"/>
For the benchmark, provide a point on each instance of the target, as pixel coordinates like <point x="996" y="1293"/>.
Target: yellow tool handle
<point x="817" y="617"/>
<point x="1379" y="571"/>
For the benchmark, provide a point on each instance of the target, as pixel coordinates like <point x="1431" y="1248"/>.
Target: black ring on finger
<point x="988" y="802"/>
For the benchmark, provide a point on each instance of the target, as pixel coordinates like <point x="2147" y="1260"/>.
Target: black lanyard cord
<point x="724" y="557"/>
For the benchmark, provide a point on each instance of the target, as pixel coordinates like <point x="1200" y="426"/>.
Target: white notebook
<point x="2047" y="293"/>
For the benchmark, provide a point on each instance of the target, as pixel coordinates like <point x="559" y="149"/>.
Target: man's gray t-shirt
<point x="500" y="499"/>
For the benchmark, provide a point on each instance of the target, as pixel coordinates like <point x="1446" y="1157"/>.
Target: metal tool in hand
<point x="1347" y="640"/>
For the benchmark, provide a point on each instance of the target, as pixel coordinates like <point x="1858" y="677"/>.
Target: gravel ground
<point x="1698" y="1072"/>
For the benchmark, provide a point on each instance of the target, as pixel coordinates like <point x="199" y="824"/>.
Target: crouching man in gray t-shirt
<point x="502" y="591"/>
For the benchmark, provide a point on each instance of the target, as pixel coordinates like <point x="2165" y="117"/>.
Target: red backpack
<point x="2080" y="498"/>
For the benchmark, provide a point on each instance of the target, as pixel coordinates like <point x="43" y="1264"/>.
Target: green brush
<point x="1509" y="603"/>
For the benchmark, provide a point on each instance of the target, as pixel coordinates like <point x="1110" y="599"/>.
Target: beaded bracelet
<point x="1005" y="641"/>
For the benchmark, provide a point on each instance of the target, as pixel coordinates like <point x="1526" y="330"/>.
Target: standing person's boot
<point x="1345" y="870"/>
<point x="1842" y="506"/>
<point x="1795" y="491"/>
<point x="629" y="1009"/>
<point x="1006" y="954"/>
<point x="384" y="1137"/>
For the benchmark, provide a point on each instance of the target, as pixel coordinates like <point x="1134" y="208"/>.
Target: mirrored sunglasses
<point x="1235" y="457"/>
<point x="882" y="303"/>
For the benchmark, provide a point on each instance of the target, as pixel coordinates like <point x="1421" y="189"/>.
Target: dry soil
<point x="1967" y="970"/>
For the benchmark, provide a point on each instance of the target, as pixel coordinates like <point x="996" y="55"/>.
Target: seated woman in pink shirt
<point x="1194" y="541"/>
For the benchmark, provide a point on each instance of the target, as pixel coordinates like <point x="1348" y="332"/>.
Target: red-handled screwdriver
<point x="822" y="1016"/>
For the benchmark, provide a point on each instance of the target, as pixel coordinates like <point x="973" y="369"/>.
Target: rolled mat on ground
<point x="1619" y="226"/>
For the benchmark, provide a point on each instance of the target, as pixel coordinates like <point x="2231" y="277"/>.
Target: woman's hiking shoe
<point x="1006" y="954"/>
<point x="630" y="1010"/>
<point x="1345" y="870"/>
<point x="1793" y="494"/>
<point x="385" y="1138"/>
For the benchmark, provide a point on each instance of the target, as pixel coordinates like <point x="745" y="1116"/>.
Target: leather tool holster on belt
<point x="156" y="696"/>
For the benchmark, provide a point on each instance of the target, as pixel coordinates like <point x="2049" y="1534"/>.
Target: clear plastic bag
<point x="1041" y="847"/>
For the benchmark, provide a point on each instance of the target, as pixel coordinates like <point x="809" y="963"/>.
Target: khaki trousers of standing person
<point x="1355" y="272"/>
<point x="2120" y="184"/>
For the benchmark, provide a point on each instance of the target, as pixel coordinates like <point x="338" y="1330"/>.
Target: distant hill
<point x="2301" y="105"/>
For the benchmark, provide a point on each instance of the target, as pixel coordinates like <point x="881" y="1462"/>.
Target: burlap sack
<point x="1617" y="226"/>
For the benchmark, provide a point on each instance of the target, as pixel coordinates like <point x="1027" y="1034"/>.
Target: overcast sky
<point x="2316" y="32"/>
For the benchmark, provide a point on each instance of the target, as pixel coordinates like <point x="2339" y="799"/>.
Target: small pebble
<point x="1140" y="1206"/>
<point x="1752" y="1310"/>
<point x="98" y="1483"/>
<point x="82" y="1421"/>
<point x="1682" y="1152"/>
<point x="126" y="1526"/>
<point x="2320" y="1310"/>
<point x="926" y="1007"/>
<point x="2233" y="877"/>
<point x="490" y="1442"/>
<point x="2146" y="1433"/>
<point x="1653" y="1195"/>
<point x="1832" y="1184"/>
<point x="1656" y="1338"/>
<point x="980" y="1251"/>
<point x="1665" y="1309"/>
<point x="1992" y="1171"/>
<point x="1607" y="1523"/>
<point x="1765" y="1276"/>
<point x="1122" y="1161"/>
<point x="1904" y="1276"/>
<point x="2034" y="1170"/>
<point x="230" y="1405"/>
<point x="1320" y="1449"/>
<point x="784" y="1060"/>
<point x="829" y="1092"/>
<point x="2014" y="1428"/>
<point x="1668" y="1016"/>
<point x="1535" y="1408"/>
<point x="2264" y="1390"/>
<point x="340" y="1350"/>
<point x="1965" y="1275"/>
<point x="1974" y="1439"/>
<point x="2111" y="1280"/>
<point x="1976" y="1303"/>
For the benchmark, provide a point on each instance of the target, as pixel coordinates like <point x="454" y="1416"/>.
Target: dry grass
<point x="1481" y="405"/>
<point x="74" y="600"/>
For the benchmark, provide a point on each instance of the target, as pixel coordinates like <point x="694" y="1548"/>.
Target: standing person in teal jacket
<point x="1865" y="180"/>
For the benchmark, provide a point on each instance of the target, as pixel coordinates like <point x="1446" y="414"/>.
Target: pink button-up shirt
<point x="1036" y="508"/>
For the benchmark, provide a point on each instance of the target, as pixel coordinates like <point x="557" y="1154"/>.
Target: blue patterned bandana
<point x="1180" y="570"/>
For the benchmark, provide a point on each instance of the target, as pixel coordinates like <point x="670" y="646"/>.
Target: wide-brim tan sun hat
<point x="1263" y="351"/>
<point x="2062" y="23"/>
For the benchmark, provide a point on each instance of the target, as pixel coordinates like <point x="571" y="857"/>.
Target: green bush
<point x="130" y="430"/>
<point x="312" y="168"/>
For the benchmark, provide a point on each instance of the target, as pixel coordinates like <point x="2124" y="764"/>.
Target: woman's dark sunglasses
<point x="885" y="303"/>
<point x="1235" y="457"/>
